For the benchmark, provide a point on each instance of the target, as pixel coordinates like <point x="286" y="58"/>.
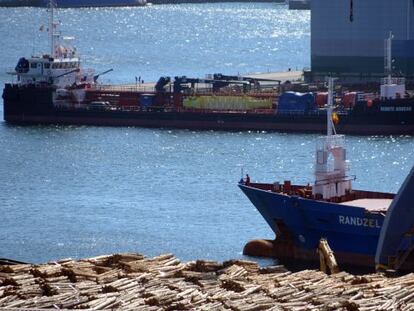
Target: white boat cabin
<point x="62" y="73"/>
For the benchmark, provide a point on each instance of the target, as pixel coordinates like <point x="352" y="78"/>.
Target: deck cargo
<point x="293" y="102"/>
<point x="229" y="102"/>
<point x="146" y="100"/>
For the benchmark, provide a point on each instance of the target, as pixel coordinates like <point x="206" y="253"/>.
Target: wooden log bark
<point x="106" y="283"/>
<point x="327" y="257"/>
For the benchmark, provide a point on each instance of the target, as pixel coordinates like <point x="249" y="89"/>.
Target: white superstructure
<point x="331" y="165"/>
<point x="391" y="87"/>
<point x="60" y="68"/>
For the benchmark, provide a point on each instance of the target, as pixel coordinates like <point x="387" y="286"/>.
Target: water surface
<point x="76" y="191"/>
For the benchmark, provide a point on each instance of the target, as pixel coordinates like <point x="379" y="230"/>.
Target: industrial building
<point x="347" y="38"/>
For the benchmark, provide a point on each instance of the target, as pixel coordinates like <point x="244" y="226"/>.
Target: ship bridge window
<point x="22" y="65"/>
<point x="47" y="65"/>
<point x="33" y="65"/>
<point x="54" y="65"/>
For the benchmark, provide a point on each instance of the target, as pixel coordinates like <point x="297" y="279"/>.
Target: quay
<point x="131" y="281"/>
<point x="282" y="76"/>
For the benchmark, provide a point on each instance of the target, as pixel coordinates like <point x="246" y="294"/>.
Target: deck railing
<point x="124" y="88"/>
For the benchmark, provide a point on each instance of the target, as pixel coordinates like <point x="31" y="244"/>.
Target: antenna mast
<point x="329" y="125"/>
<point x="52" y="33"/>
<point x="388" y="57"/>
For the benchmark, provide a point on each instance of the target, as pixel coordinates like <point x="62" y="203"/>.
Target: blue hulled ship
<point x="351" y="220"/>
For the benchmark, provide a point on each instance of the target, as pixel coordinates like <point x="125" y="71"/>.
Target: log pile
<point x="134" y="282"/>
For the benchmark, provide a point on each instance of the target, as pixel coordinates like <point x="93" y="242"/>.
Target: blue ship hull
<point x="299" y="223"/>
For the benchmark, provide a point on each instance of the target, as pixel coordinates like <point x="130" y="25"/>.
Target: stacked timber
<point x="133" y="282"/>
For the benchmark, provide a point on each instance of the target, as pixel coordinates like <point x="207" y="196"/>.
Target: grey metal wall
<point x="351" y="42"/>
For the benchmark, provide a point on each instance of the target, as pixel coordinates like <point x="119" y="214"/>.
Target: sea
<point x="81" y="191"/>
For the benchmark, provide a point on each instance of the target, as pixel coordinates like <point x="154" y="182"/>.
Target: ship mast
<point x="391" y="87"/>
<point x="388" y="58"/>
<point x="52" y="26"/>
<point x="331" y="182"/>
<point x="329" y="124"/>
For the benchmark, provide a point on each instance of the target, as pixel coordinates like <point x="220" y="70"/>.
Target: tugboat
<point x="301" y="215"/>
<point x="51" y="80"/>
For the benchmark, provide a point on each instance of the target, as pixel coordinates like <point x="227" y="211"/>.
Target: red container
<point x="349" y="99"/>
<point x="321" y="99"/>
